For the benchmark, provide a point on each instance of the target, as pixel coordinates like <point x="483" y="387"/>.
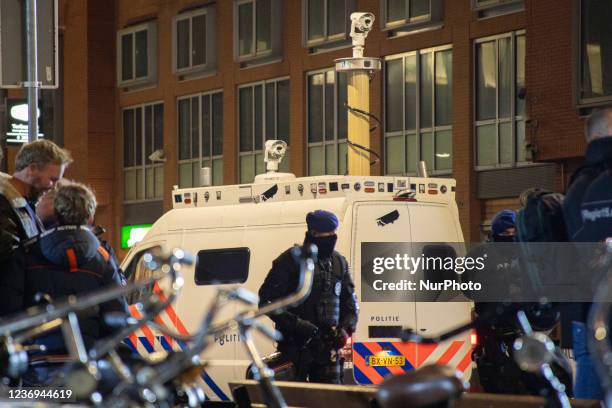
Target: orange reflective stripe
<point x="408" y="350"/>
<point x="450" y="352"/>
<point x="424" y="351"/>
<point x="104" y="253"/>
<point x="72" y="260"/>
<point x="170" y="311"/>
<point x="145" y="329"/>
<point x="465" y="361"/>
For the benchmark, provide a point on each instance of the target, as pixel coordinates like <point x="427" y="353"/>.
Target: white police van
<point x="236" y="231"/>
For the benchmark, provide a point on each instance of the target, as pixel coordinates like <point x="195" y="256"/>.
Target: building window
<point x="137" y="55"/>
<point x="143" y="134"/>
<point x="595" y="52"/>
<point x="492" y="8"/>
<point x="419" y="111"/>
<point x="263" y="110"/>
<point x="193" y="35"/>
<point x="406" y="16"/>
<point x="200" y="137"/>
<point x="257" y="32"/>
<point x="327" y="123"/>
<point x="500" y="100"/>
<point x="326" y="21"/>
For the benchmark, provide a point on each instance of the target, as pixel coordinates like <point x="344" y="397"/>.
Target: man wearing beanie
<point x="314" y="331"/>
<point x="503" y="226"/>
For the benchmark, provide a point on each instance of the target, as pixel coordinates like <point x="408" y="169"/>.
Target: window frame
<point x="152" y="62"/>
<point x="253" y="152"/>
<point x="418" y="130"/>
<point x="324" y="143"/>
<point x="130" y="272"/>
<point x="201" y="159"/>
<point x="275" y="33"/>
<point x="411" y="25"/>
<point x="210" y="42"/>
<point x="349" y="7"/>
<point x="581" y="102"/>
<point x="513" y="119"/>
<point x="493" y="8"/>
<point x="144" y="166"/>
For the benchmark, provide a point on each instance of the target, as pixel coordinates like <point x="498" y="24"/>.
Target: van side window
<point x="221" y="266"/>
<point x="137" y="271"/>
<point x="434" y="271"/>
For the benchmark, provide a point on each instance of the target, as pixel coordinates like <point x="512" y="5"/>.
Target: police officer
<point x="315" y="330"/>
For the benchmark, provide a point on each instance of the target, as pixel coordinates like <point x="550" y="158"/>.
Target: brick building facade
<point x="98" y="36"/>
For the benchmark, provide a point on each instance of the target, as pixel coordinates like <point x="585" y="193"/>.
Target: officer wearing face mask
<point x="314" y="331"/>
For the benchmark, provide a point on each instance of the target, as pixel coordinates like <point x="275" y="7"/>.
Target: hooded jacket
<point x="65" y="261"/>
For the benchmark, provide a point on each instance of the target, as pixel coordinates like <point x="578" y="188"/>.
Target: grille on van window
<point x="381" y="332"/>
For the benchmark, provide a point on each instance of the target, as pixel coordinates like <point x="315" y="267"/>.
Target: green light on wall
<point x="131" y="234"/>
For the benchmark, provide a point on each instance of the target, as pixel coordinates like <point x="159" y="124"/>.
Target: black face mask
<point x="325" y="245"/>
<point x="503" y="238"/>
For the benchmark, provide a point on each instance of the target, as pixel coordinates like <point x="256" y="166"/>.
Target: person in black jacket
<point x="38" y="167"/>
<point x="598" y="157"/>
<point x="69" y="260"/>
<point x="314" y="331"/>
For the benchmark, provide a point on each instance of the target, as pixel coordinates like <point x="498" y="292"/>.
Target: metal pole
<point x="32" y="84"/>
<point x="358" y="96"/>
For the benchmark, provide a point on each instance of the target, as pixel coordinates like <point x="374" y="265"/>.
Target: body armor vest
<point x="328" y="281"/>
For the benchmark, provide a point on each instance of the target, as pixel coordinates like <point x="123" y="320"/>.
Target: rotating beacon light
<point x="359" y="69"/>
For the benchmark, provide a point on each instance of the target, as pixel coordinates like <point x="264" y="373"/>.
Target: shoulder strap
<point x="340" y="265"/>
<point x="102" y="251"/>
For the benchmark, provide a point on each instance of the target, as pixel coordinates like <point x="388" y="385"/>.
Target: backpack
<point x="541" y="219"/>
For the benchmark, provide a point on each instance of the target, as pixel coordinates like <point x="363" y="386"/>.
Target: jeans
<point x="587" y="381"/>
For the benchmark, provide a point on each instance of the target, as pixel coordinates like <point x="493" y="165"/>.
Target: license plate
<point x="386" y="361"/>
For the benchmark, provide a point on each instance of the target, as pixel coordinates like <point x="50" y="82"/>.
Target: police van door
<point x="376" y="351"/>
<point x="435" y="223"/>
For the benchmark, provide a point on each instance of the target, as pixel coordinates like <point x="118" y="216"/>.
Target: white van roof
<point x="283" y="189"/>
<point x="285" y="200"/>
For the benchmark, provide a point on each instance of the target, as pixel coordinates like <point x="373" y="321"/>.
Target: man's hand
<point x="305" y="330"/>
<point x="335" y="338"/>
<point x="340" y="338"/>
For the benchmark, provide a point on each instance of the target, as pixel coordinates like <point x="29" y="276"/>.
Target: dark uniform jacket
<point x="282" y="280"/>
<point x="598" y="158"/>
<point x="69" y="260"/>
<point x="18" y="223"/>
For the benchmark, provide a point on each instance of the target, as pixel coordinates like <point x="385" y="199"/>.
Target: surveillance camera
<point x="158" y="156"/>
<point x="363" y="22"/>
<point x="275" y="151"/>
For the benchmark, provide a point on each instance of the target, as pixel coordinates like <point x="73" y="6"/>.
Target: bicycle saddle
<point x="428" y="387"/>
